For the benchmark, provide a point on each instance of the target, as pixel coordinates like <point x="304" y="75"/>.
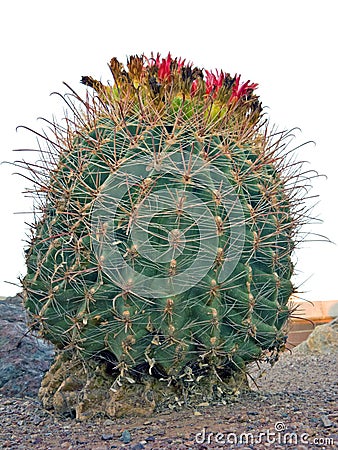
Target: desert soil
<point x="294" y="405"/>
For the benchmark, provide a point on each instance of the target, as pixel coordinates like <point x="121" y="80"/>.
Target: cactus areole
<point x="168" y="214"/>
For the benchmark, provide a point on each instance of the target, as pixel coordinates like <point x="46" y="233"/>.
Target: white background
<point x="288" y="47"/>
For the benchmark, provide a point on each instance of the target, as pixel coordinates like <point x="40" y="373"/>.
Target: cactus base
<point x="84" y="390"/>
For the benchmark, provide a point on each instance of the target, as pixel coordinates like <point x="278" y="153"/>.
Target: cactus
<point x="168" y="217"/>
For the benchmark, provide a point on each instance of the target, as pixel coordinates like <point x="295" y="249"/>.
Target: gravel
<point x="295" y="399"/>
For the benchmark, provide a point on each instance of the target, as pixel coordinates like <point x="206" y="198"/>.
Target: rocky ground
<point x="291" y="405"/>
<point x="23" y="358"/>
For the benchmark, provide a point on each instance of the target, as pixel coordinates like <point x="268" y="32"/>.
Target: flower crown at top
<point x="166" y="80"/>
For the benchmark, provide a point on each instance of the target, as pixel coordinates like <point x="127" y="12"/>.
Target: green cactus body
<point x="167" y="229"/>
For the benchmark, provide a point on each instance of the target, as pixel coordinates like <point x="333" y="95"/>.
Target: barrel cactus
<point x="168" y="215"/>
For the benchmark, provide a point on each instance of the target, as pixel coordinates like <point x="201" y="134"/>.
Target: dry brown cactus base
<point x="85" y="389"/>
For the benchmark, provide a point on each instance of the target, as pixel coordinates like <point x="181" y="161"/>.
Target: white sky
<point x="288" y="47"/>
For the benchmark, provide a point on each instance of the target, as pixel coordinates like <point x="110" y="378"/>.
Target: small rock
<point x="108" y="422"/>
<point x="107" y="437"/>
<point x="126" y="437"/>
<point x="326" y="421"/>
<point x="197" y="413"/>
<point x="150" y="439"/>
<point x="36" y="420"/>
<point x="323" y="339"/>
<point x="137" y="446"/>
